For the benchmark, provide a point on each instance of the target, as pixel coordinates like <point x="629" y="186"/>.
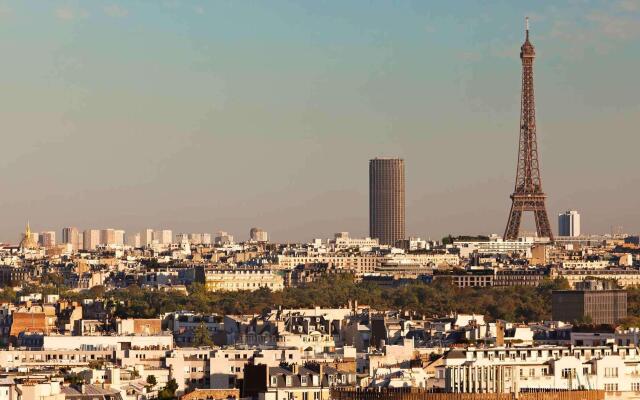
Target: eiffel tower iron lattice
<point x="528" y="194"/>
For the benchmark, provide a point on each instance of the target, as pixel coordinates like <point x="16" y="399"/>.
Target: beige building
<point x="72" y="236"/>
<point x="362" y="264"/>
<point x="48" y="239"/>
<point x="108" y="237"/>
<point x="234" y="279"/>
<point x="624" y="277"/>
<point x="91" y="239"/>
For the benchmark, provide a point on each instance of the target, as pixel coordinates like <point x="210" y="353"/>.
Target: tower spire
<point x="526" y="27"/>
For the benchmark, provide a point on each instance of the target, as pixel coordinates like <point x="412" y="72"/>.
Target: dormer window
<point x="288" y="380"/>
<point x="274" y="381"/>
<point x="303" y="380"/>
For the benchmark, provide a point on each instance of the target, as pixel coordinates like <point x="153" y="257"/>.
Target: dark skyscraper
<point x="386" y="199"/>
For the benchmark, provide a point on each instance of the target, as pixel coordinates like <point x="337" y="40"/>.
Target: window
<point x="611" y="372"/>
<point x="611" y="387"/>
<point x="274" y="381"/>
<point x="303" y="380"/>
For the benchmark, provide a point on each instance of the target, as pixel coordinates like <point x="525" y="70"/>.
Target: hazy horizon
<point x="207" y="116"/>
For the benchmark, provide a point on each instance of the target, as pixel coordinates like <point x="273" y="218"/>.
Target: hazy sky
<point x="210" y="115"/>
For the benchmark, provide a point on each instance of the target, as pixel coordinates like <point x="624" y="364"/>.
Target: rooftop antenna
<point x="526" y="25"/>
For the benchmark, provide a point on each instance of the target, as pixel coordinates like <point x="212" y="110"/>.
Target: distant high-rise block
<point x="146" y="237"/>
<point x="258" y="235"/>
<point x="205" y="238"/>
<point x="108" y="237"/>
<point x="386" y="200"/>
<point x="163" y="236"/>
<point x="119" y="237"/>
<point x="569" y="223"/>
<point x="133" y="239"/>
<point x="91" y="239"/>
<point x="72" y="236"/>
<point x="48" y="239"/>
<point x="223" y="238"/>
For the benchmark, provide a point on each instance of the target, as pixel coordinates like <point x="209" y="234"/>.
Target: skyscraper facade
<point x="386" y="200"/>
<point x="569" y="223"/>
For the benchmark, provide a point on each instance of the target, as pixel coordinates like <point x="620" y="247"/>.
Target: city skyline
<point x="97" y="142"/>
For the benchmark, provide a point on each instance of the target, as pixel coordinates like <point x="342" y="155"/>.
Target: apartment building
<point x="234" y="279"/>
<point x="515" y="369"/>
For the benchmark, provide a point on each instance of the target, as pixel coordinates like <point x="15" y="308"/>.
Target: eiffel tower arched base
<point x="528" y="203"/>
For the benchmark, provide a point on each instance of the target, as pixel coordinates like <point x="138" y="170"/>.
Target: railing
<point x="424" y="394"/>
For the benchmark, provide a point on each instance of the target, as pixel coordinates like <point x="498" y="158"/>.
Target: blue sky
<point x="211" y="115"/>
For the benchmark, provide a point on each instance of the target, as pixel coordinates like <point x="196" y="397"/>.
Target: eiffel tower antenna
<point x="528" y="194"/>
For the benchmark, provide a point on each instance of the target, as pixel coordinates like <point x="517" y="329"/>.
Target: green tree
<point x="169" y="391"/>
<point x="201" y="336"/>
<point x="151" y="380"/>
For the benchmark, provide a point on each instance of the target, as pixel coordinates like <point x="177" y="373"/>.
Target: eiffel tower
<point x="528" y="194"/>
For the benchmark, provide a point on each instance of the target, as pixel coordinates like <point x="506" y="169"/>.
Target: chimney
<point x="499" y="333"/>
<point x="295" y="369"/>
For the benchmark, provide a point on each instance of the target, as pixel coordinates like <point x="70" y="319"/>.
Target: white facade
<point x="496" y="245"/>
<point x="512" y="369"/>
<point x="569" y="223"/>
<point x="343" y="241"/>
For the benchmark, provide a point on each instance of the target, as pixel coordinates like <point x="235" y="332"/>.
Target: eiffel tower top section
<point x="527" y="50"/>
